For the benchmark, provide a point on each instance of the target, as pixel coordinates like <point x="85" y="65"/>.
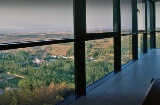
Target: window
<point x="157" y="16"/>
<point x="157" y="40"/>
<point x="99" y="59"/>
<point x="148" y="16"/>
<point x="140" y="44"/>
<point x="37" y="75"/>
<point x="99" y="16"/>
<point x="48" y="72"/>
<point x="126" y="49"/>
<point x="28" y="20"/>
<point x="141" y="14"/>
<point x="148" y="41"/>
<point x="126" y="16"/>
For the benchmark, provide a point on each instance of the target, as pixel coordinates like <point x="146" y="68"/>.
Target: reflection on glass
<point x="99" y="59"/>
<point x="126" y="49"/>
<point x="140" y="43"/>
<point x="148" y="41"/>
<point x="126" y="16"/>
<point x="99" y="16"/>
<point x="41" y="75"/>
<point x="30" y="20"/>
<point x="141" y="14"/>
<point x="157" y="40"/>
<point x="157" y="16"/>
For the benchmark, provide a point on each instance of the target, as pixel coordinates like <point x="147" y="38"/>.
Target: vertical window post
<point x="135" y="29"/>
<point x="79" y="48"/>
<point x="145" y="48"/>
<point x="117" y="40"/>
<point x="153" y="26"/>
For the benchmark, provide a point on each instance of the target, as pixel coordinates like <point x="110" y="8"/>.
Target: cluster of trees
<point x="97" y="70"/>
<point x="158" y="40"/>
<point x="100" y="50"/>
<point x="60" y="70"/>
<point x="44" y="95"/>
<point x="126" y="49"/>
<point x="37" y="87"/>
<point x="140" y="43"/>
<point x="102" y="62"/>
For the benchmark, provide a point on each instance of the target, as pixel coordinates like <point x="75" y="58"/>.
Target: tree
<point x="22" y="56"/>
<point x="13" y="101"/>
<point x="70" y="52"/>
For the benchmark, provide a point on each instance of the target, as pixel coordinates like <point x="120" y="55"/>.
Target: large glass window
<point x="99" y="16"/>
<point x="157" y="40"/>
<point x="148" y="17"/>
<point x="99" y="59"/>
<point x="30" y="20"/>
<point x="126" y="16"/>
<point x="126" y="49"/>
<point x="157" y="16"/>
<point x="140" y="44"/>
<point x="42" y="75"/>
<point x="148" y="41"/>
<point x="141" y="14"/>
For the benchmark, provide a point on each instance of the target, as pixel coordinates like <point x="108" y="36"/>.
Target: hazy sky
<point x="158" y="14"/>
<point x="36" y="15"/>
<point x="126" y="14"/>
<point x="99" y="14"/>
<point x="57" y="15"/>
<point x="141" y="16"/>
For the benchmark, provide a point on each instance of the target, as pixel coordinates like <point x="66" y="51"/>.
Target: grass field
<point x="13" y="83"/>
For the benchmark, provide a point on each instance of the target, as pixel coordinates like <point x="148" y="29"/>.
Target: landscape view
<point x="157" y="40"/>
<point x="34" y="36"/>
<point x="37" y="75"/>
<point x="140" y="44"/>
<point x="45" y="74"/>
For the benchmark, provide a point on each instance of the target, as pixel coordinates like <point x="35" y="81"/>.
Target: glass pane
<point x="99" y="16"/>
<point x="140" y="44"/>
<point x="41" y="75"/>
<point x="30" y="20"/>
<point x="141" y="15"/>
<point x="99" y="59"/>
<point x="148" y="16"/>
<point x="126" y="49"/>
<point x="157" y="16"/>
<point x="157" y="40"/>
<point x="148" y="41"/>
<point x="126" y="16"/>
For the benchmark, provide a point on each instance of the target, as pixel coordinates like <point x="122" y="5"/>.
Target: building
<point x="132" y="28"/>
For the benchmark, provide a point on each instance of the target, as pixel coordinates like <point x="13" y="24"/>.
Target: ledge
<point x="14" y="45"/>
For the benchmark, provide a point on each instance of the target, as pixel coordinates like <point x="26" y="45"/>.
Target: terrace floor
<point x="127" y="87"/>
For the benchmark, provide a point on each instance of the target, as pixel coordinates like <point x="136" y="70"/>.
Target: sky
<point x="99" y="14"/>
<point x="36" y="15"/>
<point x="157" y="14"/>
<point x="141" y="16"/>
<point x="57" y="15"/>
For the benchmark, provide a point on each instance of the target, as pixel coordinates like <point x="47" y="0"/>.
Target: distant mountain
<point x="24" y="31"/>
<point x="98" y="30"/>
<point x="157" y="28"/>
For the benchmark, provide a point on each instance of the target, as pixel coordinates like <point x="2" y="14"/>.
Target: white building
<point x="37" y="60"/>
